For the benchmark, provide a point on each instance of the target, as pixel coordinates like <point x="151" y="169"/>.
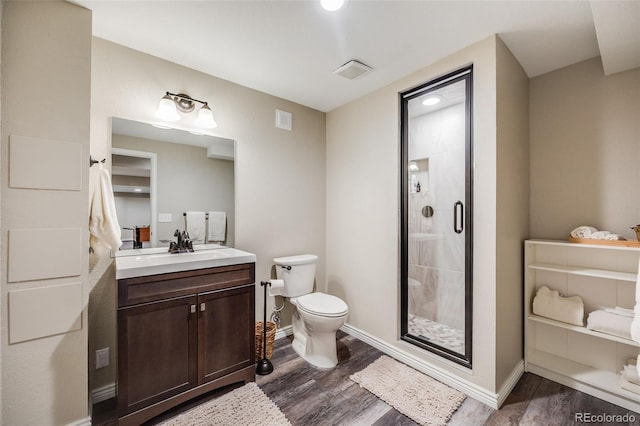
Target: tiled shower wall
<point x="436" y="252"/>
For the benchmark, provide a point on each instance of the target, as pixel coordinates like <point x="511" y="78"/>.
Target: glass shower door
<point x="436" y="248"/>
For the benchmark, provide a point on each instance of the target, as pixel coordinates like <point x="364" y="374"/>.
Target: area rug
<point x="421" y="398"/>
<point x="247" y="405"/>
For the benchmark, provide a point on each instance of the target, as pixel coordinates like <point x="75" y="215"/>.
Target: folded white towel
<point x="583" y="232"/>
<point x="195" y="226"/>
<point x="599" y="235"/>
<point x="217" y="227"/>
<point x="630" y="373"/>
<point x="609" y="323"/>
<point x="635" y="324"/>
<point x="632" y="387"/>
<point x="613" y="237"/>
<point x="621" y="311"/>
<point x="550" y="304"/>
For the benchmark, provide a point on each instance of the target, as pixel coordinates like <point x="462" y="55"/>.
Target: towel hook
<point x="92" y="161"/>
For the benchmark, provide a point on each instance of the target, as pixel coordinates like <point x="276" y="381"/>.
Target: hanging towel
<point x="104" y="229"/>
<point x="583" y="232"/>
<point x="217" y="227"/>
<point x="550" y="304"/>
<point x="610" y="323"/>
<point x="196" y="226"/>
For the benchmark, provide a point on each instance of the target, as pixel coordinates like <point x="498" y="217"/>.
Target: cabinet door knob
<point x="202" y="306"/>
<point x="193" y="309"/>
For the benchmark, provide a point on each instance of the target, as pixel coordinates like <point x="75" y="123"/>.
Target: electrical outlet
<point x="102" y="358"/>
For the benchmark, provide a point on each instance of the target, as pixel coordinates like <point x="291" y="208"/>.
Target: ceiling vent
<point x="353" y="69"/>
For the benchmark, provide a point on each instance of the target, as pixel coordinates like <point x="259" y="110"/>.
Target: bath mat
<point x="247" y="405"/>
<point x="421" y="398"/>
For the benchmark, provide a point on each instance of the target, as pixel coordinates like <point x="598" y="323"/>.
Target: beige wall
<point x="585" y="147"/>
<point x="2" y="307"/>
<point x="512" y="210"/>
<point x="363" y="211"/>
<point x="46" y="60"/>
<point x="280" y="175"/>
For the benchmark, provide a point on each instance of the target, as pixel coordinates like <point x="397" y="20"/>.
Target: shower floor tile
<point x="435" y="332"/>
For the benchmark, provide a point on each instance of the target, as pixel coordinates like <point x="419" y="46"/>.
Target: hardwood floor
<point x="312" y="396"/>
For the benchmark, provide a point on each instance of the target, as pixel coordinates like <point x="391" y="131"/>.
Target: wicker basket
<point x="271" y="335"/>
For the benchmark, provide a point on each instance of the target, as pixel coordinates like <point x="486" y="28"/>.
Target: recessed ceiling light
<point x="431" y="100"/>
<point x="137" y="189"/>
<point x="331" y="5"/>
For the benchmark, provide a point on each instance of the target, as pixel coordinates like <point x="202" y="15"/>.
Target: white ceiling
<point x="290" y="48"/>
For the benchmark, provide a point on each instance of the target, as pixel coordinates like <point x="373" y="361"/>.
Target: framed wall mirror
<point x="436" y="275"/>
<point x="163" y="177"/>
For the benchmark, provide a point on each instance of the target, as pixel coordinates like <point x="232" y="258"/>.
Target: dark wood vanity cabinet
<point x="181" y="335"/>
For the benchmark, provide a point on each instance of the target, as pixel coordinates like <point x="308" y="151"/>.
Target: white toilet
<point x="317" y="316"/>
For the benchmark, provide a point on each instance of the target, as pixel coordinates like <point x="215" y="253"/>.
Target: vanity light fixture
<point x="171" y="103"/>
<point x="331" y="5"/>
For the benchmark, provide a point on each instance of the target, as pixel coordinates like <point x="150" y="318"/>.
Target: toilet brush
<point x="264" y="366"/>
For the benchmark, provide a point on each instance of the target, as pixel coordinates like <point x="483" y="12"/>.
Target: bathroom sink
<point x="162" y="263"/>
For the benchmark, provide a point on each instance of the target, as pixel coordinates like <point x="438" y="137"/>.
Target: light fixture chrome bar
<point x="187" y="97"/>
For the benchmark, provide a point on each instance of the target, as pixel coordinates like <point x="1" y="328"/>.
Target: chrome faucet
<point x="183" y="243"/>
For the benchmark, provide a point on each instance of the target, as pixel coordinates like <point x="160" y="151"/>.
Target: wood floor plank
<point x="516" y="403"/>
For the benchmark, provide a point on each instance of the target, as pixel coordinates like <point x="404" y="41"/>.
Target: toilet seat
<point x="322" y="304"/>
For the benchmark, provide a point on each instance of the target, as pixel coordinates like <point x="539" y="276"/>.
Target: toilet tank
<point x="297" y="272"/>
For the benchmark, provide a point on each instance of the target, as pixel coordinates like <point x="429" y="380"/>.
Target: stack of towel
<point x="629" y="378"/>
<point x="615" y="321"/>
<point x="550" y="304"/>
<point x="635" y="323"/>
<point x="592" y="233"/>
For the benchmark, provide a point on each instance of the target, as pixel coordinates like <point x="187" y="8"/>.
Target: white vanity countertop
<point x="162" y="263"/>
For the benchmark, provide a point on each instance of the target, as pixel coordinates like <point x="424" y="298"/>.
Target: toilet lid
<point x="322" y="304"/>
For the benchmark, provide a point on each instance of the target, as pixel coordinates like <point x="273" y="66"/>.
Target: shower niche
<point x="436" y="216"/>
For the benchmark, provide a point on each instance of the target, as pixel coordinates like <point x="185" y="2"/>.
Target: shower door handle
<point x="458" y="212"/>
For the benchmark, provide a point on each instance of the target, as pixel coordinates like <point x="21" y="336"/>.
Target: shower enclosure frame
<point x="466" y="74"/>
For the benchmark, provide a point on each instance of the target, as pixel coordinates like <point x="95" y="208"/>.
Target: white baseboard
<point x="82" y="422"/>
<point x="510" y="383"/>
<point x="469" y="388"/>
<point x="103" y="393"/>
<point x="284" y="332"/>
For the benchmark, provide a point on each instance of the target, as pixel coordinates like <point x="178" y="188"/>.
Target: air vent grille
<point x="353" y="69"/>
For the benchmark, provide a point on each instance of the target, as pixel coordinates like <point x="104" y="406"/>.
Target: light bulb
<point x="205" y="118"/>
<point x="167" y="109"/>
<point x="331" y="5"/>
<point x="432" y="100"/>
